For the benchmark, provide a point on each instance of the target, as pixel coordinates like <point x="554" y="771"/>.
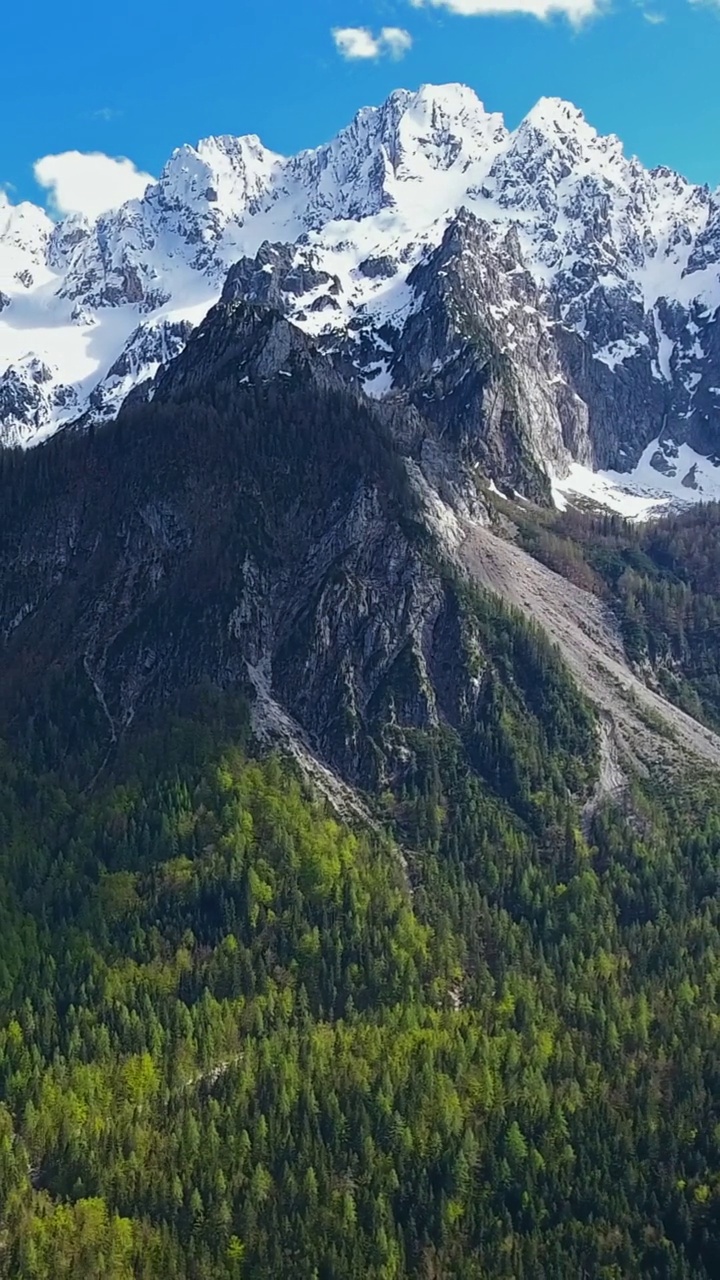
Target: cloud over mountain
<point x="89" y="182"/>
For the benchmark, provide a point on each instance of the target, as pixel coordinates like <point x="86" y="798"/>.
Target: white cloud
<point x="89" y="183"/>
<point x="359" y="42"/>
<point x="577" y="11"/>
<point x="396" y="40"/>
<point x="355" y="42"/>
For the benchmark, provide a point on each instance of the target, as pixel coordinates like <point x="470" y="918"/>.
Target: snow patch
<point x="644" y="492"/>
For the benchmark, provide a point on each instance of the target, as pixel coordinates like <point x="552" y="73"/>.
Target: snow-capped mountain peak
<point x="432" y="129"/>
<point x="624" y="261"/>
<point x="24" y="234"/>
<point x="228" y="172"/>
<point x="557" y="118"/>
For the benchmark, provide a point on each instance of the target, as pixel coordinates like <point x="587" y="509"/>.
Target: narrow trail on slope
<point x="638" y="724"/>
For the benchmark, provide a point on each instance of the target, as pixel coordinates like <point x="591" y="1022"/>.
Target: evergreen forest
<point x="469" y="1033"/>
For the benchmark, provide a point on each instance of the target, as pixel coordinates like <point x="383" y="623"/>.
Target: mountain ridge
<point x="259" y="523"/>
<point x="624" y="261"/>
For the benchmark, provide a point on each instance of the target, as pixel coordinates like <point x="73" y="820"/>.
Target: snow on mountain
<point x="24" y="234"/>
<point x="625" y="263"/>
<point x="662" y="480"/>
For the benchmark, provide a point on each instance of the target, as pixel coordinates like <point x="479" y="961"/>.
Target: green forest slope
<point x="476" y="1039"/>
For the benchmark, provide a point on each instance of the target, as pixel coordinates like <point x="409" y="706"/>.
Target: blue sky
<point x="138" y="78"/>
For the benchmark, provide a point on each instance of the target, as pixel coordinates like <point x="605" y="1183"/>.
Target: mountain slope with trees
<point x="470" y="1031"/>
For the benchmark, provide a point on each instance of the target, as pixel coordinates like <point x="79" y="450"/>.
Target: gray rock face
<point x="476" y="358"/>
<point x="257" y="524"/>
<point x="704" y="388"/>
<point x="484" y="355"/>
<point x="243" y="345"/>
<point x="257" y="531"/>
<point x="275" y="275"/>
<point x="378" y="268"/>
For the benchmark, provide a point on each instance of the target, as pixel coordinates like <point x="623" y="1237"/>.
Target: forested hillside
<point x="476" y="1038"/>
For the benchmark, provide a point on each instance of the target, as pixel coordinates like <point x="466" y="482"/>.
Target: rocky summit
<point x="538" y="300"/>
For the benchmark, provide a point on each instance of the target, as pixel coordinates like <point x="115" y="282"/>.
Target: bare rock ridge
<point x="251" y="525"/>
<point x="535" y="294"/>
<point x="257" y="521"/>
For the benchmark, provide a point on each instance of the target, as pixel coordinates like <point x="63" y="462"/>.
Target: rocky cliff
<point x="252" y="526"/>
<point x="252" y="520"/>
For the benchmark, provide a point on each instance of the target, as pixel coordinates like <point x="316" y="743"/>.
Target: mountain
<point x="254" y="526"/>
<point x="359" y="788"/>
<point x="552" y="300"/>
<point x="261" y="523"/>
<point x="359" y="828"/>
